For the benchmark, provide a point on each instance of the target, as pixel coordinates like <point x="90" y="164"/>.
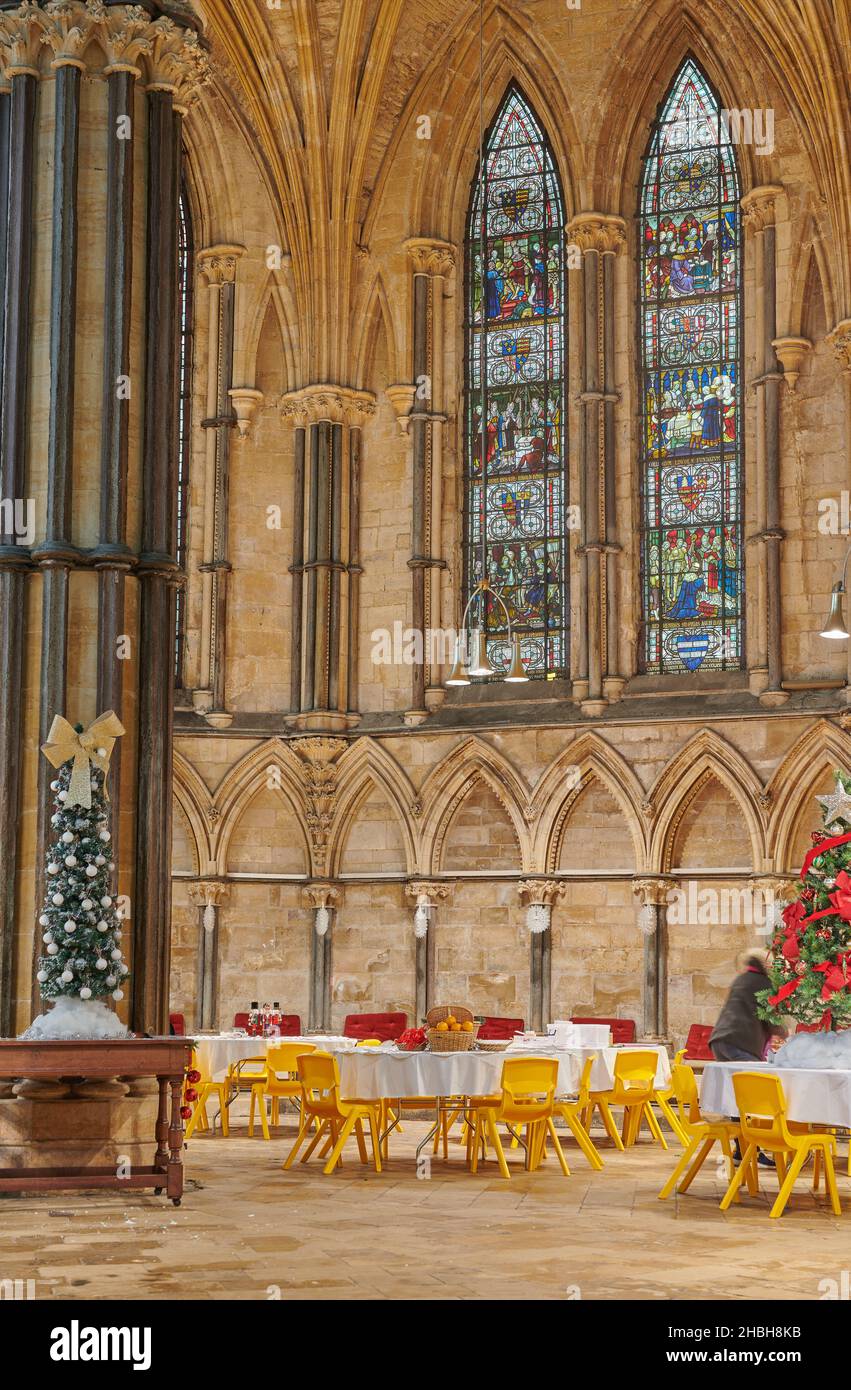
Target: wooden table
<point x="164" y="1058"/>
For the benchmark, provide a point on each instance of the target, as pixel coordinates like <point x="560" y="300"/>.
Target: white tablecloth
<point x="812" y="1097"/>
<point x="217" y="1053"/>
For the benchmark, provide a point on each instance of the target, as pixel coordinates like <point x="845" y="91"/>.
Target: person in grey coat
<point x="740" y="1035"/>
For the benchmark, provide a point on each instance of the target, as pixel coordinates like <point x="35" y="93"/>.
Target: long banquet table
<point x="813" y="1096"/>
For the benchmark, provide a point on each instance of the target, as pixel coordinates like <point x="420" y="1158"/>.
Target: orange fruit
<point x="467" y="1027"/>
<point x="455" y="1027"/>
<point x="442" y="1027"/>
<point x="451" y="1019"/>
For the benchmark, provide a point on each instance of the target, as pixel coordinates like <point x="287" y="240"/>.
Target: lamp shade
<point x="835" y="625"/>
<point x="479" y="663"/>
<point x="516" y="671"/>
<point x="459" y="674"/>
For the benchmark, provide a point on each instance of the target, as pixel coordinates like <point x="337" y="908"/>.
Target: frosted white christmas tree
<point x="82" y="964"/>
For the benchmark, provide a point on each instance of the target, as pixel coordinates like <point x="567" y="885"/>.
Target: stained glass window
<point x="691" y="386"/>
<point x="184" y="411"/>
<point x="515" y="495"/>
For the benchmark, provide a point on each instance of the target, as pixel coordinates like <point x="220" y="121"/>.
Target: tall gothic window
<point x="691" y="464"/>
<point x="515" y="485"/>
<point x="184" y="410"/>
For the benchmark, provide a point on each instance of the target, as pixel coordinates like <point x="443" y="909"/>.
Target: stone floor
<point x="247" y="1230"/>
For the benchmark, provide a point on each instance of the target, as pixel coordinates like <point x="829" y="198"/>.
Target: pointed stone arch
<point x="193" y="798"/>
<point x="822" y="748"/>
<point x="559" y="789"/>
<point x="449" y="784"/>
<point x="365" y="766"/>
<point x="272" y="297"/>
<point x="377" y="318"/>
<point x="705" y="755"/>
<point x="250" y="775"/>
<point x="810" y="266"/>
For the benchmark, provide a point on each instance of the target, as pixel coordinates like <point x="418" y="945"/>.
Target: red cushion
<point x="383" y="1026"/>
<point x="290" y="1026"/>
<point x="623" y="1029"/>
<point x="240" y="1020"/>
<point x="697" y="1043"/>
<point x="177" y="1024"/>
<point x="499" y="1028"/>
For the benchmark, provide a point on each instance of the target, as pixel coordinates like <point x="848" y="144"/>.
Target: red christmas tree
<point x="810" y="958"/>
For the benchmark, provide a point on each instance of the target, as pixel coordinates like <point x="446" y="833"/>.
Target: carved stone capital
<point x="431" y="257"/>
<point x="68" y="28"/>
<point x="653" y="891"/>
<point x="124" y="36"/>
<point x="432" y="889"/>
<point x="781" y="887"/>
<point x="245" y="400"/>
<point x="327" y="895"/>
<point x="341" y="405"/>
<point x="217" y="264"/>
<point x="840" y="340"/>
<point x="210" y="892"/>
<point x="22" y="33"/>
<point x="541" y="892"/>
<point x="177" y="62"/>
<point x="320" y="788"/>
<point x="597" y="231"/>
<point x="758" y="206"/>
<point x="401" y="397"/>
<point x="791" y="353"/>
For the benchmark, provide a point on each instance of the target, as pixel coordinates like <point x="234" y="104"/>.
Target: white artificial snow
<point x="815" y="1050"/>
<point x="76" y="1018"/>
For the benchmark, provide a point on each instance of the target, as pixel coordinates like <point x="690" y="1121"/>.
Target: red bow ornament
<point x="841" y="899"/>
<point x="783" y="992"/>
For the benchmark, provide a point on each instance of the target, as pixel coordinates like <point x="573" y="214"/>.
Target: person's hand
<point x="775" y="1042"/>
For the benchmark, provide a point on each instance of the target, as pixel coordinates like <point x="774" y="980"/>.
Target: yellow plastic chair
<point x="701" y="1134"/>
<point x="572" y="1111"/>
<point x="319" y="1075"/>
<point x="762" y="1118"/>
<point x="634" y="1090"/>
<point x="207" y="1087"/>
<point x="528" y="1096"/>
<point x="280" y="1082"/>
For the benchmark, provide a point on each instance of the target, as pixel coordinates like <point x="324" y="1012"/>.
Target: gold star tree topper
<point x="836" y="806"/>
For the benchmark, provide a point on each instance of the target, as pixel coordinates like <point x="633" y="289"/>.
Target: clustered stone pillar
<point x="541" y="894"/>
<point x="597" y="679"/>
<point x="433" y="263"/>
<point x="326" y="554"/>
<point x="87" y="461"/>
<point x="653" y="923"/>
<point x="208" y="895"/>
<point x="766" y="675"/>
<point x="426" y="893"/>
<point x="217" y="266"/>
<point x="324" y="899"/>
<point x="840" y="341"/>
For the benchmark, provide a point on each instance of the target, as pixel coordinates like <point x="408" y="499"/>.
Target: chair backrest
<point x="290" y="1026"/>
<point x="197" y="1065"/>
<point x="177" y="1024"/>
<point x="684" y="1085"/>
<point x="319" y="1075"/>
<point x="496" y="1029"/>
<point x="635" y="1072"/>
<point x="585" y="1080"/>
<point x="528" y="1087"/>
<point x="623" y="1029"/>
<point x="282" y="1059"/>
<point x="697" y="1043"/>
<point x="762" y="1109"/>
<point x="386" y="1027"/>
<point x="240" y="1020"/>
<point x="368" y="1042"/>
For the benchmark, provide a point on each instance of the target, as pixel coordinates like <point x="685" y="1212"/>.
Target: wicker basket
<point x="493" y="1044"/>
<point x="441" y="1012"/>
<point x="450" y="1042"/>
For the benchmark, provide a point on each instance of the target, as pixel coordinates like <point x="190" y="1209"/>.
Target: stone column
<point x="653" y="924"/>
<point x="766" y="674"/>
<point x="208" y="897"/>
<point x="325" y="899"/>
<point x="426" y="893"/>
<point x="217" y="267"/>
<point x="433" y="263"/>
<point x="840" y="341"/>
<point x="600" y="238"/>
<point x="540" y="894"/>
<point x="326" y="553"/>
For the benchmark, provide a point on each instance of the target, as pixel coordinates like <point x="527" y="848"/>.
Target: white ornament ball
<point x="91" y="871"/>
<point x="70" y="927"/>
<point x="106" y="902"/>
<point x="101" y="965"/>
<point x="124" y="969"/>
<point x="68" y="837"/>
<point x="110" y="980"/>
<point x="63" y="796"/>
<point x="66" y="976"/>
<point x="53" y="868"/>
<point x="85" y="992"/>
<point x="99" y="859"/>
<point x="41" y="976"/>
<point x="115" y="955"/>
<point x="70" y="861"/>
<point x="105" y="836"/>
<point x="111" y="865"/>
<point x="53" y="950"/>
<point x="101" y="752"/>
<point x="44" y="920"/>
<point x="47" y="938"/>
<point x="103" y="926"/>
<point x="87" y="904"/>
<point x="57" y="899"/>
<point x="118" y="994"/>
<point x="54" y="786"/>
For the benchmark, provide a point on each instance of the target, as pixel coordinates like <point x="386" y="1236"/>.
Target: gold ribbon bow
<point x="93" y="745"/>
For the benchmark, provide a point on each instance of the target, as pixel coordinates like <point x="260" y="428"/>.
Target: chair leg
<point x="318" y="1136"/>
<point x="817" y="1169"/>
<point x="497" y="1143"/>
<point x="583" y="1139"/>
<point x="786" y="1189"/>
<point x="654" y="1124"/>
<point x="698" y="1163"/>
<point x="611" y="1128"/>
<point x="251" y="1114"/>
<point x="376" y="1141"/>
<point x="276" y="1111"/>
<point x="223" y="1113"/>
<point x="348" y="1125"/>
<point x="781" y="1166"/>
<point x="198" y="1116"/>
<point x="551" y="1130"/>
<point x="738" y="1176"/>
<point x="299" y="1140"/>
<point x="683" y="1163"/>
<point x="362" y="1153"/>
<point x="672" y="1120"/>
<point x="830" y="1182"/>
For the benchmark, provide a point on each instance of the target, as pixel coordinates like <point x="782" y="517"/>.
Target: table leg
<point x="434" y="1129"/>
<point x="161" y="1131"/>
<point x="175" y="1144"/>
